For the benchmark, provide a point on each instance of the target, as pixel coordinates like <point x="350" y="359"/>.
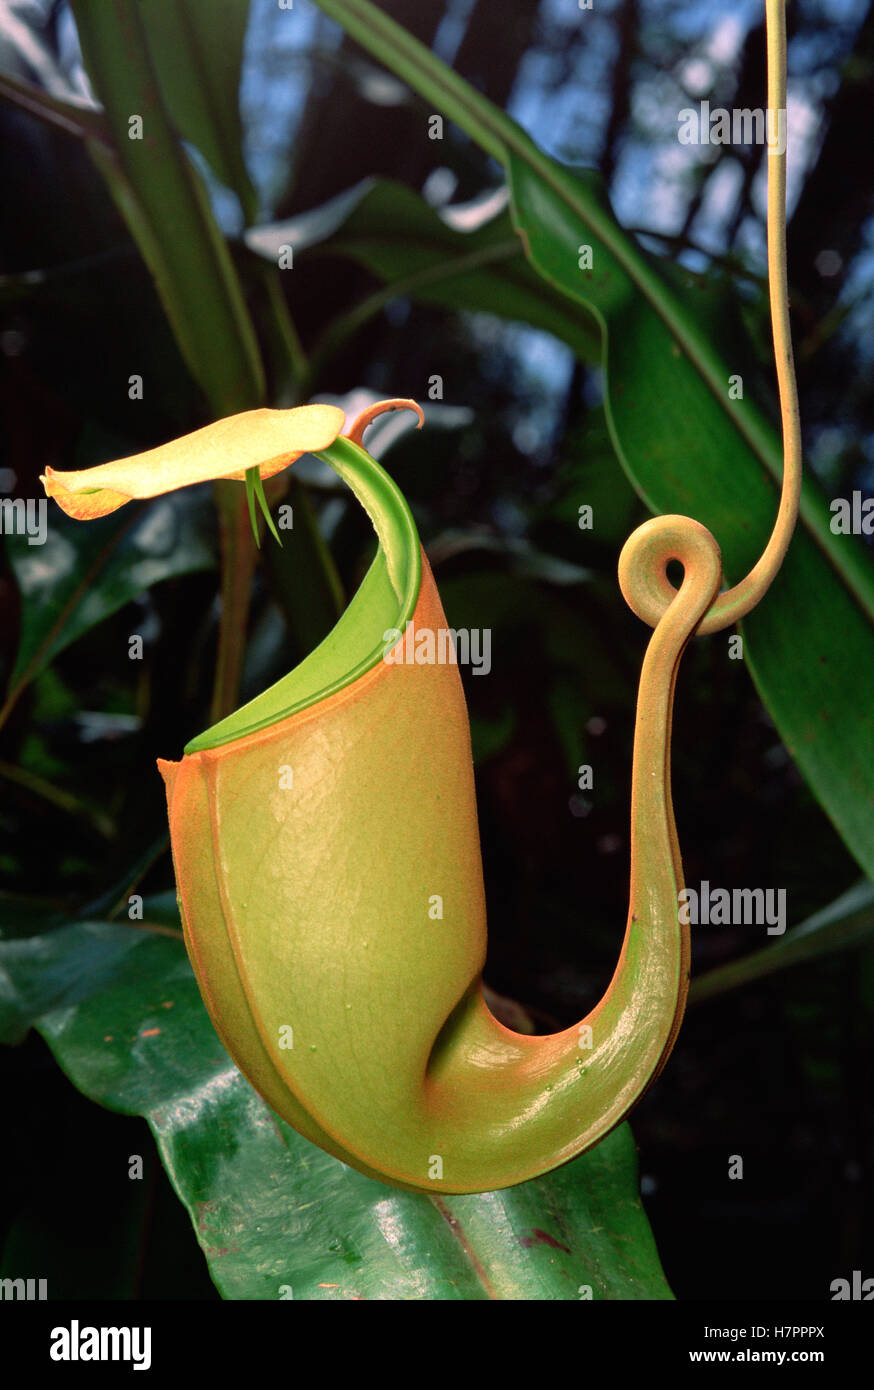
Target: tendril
<point x="643" y="569"/>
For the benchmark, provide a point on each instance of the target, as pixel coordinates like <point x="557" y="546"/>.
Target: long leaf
<point x="686" y="445"/>
<point x="166" y="207"/>
<point x="196" y="47"/>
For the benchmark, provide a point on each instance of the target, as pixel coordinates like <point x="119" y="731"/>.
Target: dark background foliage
<point x="776" y="1071"/>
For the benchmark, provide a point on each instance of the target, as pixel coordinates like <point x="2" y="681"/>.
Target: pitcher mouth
<point x="385" y="600"/>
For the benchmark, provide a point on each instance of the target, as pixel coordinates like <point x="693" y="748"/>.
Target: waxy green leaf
<point x="166" y="207"/>
<point x="196" y="48"/>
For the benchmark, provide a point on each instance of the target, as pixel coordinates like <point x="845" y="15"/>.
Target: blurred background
<point x="776" y="1070"/>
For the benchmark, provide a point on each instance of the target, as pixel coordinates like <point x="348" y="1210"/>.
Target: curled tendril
<point x="643" y="563"/>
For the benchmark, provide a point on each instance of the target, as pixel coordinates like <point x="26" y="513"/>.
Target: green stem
<point x="238" y="552"/>
<point x="288" y="345"/>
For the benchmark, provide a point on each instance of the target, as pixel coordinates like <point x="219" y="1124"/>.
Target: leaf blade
<point x="196" y="47"/>
<point x="165" y="205"/>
